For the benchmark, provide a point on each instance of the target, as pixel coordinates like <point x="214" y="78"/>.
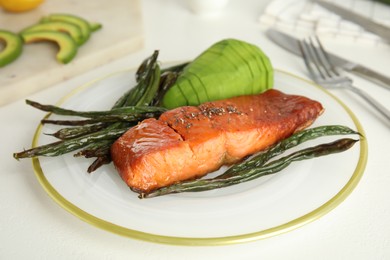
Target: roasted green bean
<point x="290" y="142"/>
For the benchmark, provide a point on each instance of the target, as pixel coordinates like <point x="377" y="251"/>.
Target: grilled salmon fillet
<point x="189" y="142"/>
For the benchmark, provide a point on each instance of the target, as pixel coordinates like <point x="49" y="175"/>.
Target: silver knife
<point x="291" y="44"/>
<point x="364" y="22"/>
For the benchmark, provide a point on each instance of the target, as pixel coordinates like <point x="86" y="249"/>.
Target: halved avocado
<point x="76" y="20"/>
<point x="73" y="30"/>
<point x="68" y="47"/>
<point x="12" y="48"/>
<point x="227" y="69"/>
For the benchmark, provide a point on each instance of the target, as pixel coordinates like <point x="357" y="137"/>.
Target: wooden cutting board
<point x="37" y="67"/>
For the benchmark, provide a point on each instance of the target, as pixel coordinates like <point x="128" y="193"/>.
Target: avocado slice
<point x="76" y="20"/>
<point x="73" y="30"/>
<point x="68" y="47"/>
<point x="13" y="45"/>
<point x="95" y="26"/>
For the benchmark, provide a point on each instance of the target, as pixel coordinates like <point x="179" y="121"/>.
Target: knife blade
<point x="291" y="44"/>
<point x="366" y="23"/>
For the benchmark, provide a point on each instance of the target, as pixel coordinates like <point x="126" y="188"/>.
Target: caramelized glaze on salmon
<point x="189" y="142"/>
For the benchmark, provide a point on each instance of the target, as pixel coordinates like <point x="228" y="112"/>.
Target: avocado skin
<point x="73" y="30"/>
<point x="67" y="46"/>
<point x="13" y="47"/>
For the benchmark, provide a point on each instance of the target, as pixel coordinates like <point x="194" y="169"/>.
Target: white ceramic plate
<point x="258" y="209"/>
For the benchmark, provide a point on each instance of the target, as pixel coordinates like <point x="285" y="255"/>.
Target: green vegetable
<point x="250" y="173"/>
<point x="148" y="78"/>
<point x="95" y="136"/>
<point x="288" y="143"/>
<point x="13" y="46"/>
<point x="72" y="132"/>
<point x="130" y="113"/>
<point x="67" y="46"/>
<point x="69" y="145"/>
<point x="68" y="31"/>
<point x="228" y="68"/>
<point x="95" y="26"/>
<point x="95" y="149"/>
<point x="83" y="24"/>
<point x="71" y="29"/>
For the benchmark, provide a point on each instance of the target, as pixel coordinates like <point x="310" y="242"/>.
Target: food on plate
<point x="67" y="46"/>
<point x="188" y="142"/>
<point x="227" y="69"/>
<point x="13" y="46"/>
<point x="73" y="30"/>
<point x="158" y="157"/>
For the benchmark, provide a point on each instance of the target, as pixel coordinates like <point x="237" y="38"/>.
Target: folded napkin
<point x="303" y="17"/>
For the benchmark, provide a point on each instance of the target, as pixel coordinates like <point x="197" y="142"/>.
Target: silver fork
<point x="325" y="74"/>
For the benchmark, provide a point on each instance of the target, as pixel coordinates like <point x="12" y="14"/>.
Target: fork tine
<point x="325" y="74"/>
<point x="322" y="64"/>
<point x="323" y="56"/>
<point x="309" y="59"/>
<point x="306" y="58"/>
<point x="312" y="57"/>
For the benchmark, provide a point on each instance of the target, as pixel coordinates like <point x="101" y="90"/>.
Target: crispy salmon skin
<point x="189" y="142"/>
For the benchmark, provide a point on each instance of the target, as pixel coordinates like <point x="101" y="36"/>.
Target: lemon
<point x="19" y="5"/>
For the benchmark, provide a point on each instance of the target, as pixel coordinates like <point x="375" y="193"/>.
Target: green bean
<point x="290" y="142"/>
<point x="150" y="92"/>
<point x="107" y="119"/>
<point x="135" y="94"/>
<point x="132" y="96"/>
<point x="147" y="80"/>
<point x="99" y="162"/>
<point x="65" y="146"/>
<point x="78" y="123"/>
<point x="122" y="100"/>
<point x="77" y="131"/>
<point x="144" y="66"/>
<point x="119" y="113"/>
<point x="251" y="173"/>
<point x="96" y="149"/>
